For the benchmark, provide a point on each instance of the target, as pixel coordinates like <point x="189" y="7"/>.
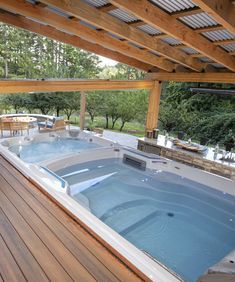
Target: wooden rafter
<point x="156" y="17"/>
<point x="193" y="77"/>
<point x="19" y="86"/>
<point x="98" y="18"/>
<point x="223" y="11"/>
<point x="22" y="22"/>
<point x="70" y="26"/>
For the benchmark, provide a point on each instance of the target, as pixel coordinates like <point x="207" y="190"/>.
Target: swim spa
<point x="157" y="213"/>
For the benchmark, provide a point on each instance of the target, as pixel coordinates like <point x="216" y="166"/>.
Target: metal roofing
<point x="217" y="66"/>
<point x="96" y="3"/>
<point x="198" y="20"/>
<point x="149" y="29"/>
<point x="122" y="15"/>
<point x="229" y="47"/>
<point x="189" y="50"/>
<point x="172" y="41"/>
<point x="173" y="5"/>
<point x="205" y="59"/>
<point x="218" y="35"/>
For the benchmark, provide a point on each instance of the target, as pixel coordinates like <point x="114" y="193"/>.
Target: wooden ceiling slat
<point x="50" y="32"/>
<point x="153" y="15"/>
<point x="97" y="18"/>
<point x="62" y="23"/>
<point x="223" y="11"/>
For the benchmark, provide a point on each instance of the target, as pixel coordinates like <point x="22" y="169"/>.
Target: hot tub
<point x="41" y="147"/>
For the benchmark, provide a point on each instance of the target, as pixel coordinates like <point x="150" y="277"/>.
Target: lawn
<point x="134" y="128"/>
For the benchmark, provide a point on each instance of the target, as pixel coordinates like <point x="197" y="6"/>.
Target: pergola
<point x="179" y="40"/>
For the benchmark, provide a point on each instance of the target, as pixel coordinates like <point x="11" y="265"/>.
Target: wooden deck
<point x="40" y="242"/>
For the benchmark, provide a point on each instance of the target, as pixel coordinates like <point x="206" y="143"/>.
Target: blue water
<point x="185" y="225"/>
<point x="40" y="151"/>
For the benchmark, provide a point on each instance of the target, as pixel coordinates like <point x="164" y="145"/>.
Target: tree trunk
<point x="57" y="112"/>
<point x="121" y="128"/>
<point x="6" y="69"/>
<point x="107" y="121"/>
<point x="113" y="122"/>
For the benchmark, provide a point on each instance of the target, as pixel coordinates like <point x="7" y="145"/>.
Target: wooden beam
<point x="75" y="41"/>
<point x="69" y="26"/>
<point x="21" y="86"/>
<point x="107" y="22"/>
<point x="223" y="11"/>
<point x="82" y="110"/>
<point x="156" y="17"/>
<point x="153" y="107"/>
<point x="193" y="77"/>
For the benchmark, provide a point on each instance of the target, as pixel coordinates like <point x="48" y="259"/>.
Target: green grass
<point x="134" y="128"/>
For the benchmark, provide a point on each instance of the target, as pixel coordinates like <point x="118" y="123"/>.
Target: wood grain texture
<point x="157" y="18"/>
<point x="41" y="229"/>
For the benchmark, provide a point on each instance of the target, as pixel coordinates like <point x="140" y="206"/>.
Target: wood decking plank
<point x="87" y="260"/>
<point x="20" y="252"/>
<point x="56" y="247"/>
<point x="45" y="258"/>
<point x="9" y="269"/>
<point x="87" y="242"/>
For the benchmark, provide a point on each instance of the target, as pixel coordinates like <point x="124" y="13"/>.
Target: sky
<point x="106" y="62"/>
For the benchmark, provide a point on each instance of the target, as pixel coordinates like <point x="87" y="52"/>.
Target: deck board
<point x="8" y="266"/>
<point x="39" y="235"/>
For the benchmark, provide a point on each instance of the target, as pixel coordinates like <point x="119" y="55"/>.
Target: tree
<point x="127" y="107"/>
<point x="72" y="103"/>
<point x="94" y="104"/>
<point x="17" y="101"/>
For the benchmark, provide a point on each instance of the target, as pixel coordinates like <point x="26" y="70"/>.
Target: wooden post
<point x="82" y="109"/>
<point x="153" y="108"/>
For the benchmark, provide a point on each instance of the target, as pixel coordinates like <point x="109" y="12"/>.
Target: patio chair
<point x="5" y="125"/>
<point x="15" y="127"/>
<point x="53" y="125"/>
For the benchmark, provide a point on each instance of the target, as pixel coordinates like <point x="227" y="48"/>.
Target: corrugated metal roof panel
<point x="189" y="50"/>
<point x="155" y="53"/>
<point x="217" y="66"/>
<point x="114" y="36"/>
<point x="122" y="15"/>
<point x="172" y="41"/>
<point x="173" y="5"/>
<point x="198" y="20"/>
<point x="229" y="47"/>
<point x="135" y="45"/>
<point x="205" y="59"/>
<point x="149" y="29"/>
<point x="218" y="35"/>
<point x="96" y="3"/>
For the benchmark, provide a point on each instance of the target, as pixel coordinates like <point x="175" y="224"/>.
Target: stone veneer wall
<point x="180" y="156"/>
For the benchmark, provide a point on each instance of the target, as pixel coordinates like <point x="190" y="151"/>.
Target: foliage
<point x="197" y="114"/>
<point x="27" y="55"/>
